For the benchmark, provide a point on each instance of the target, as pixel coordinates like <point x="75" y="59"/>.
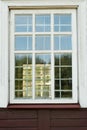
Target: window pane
<point x="66" y="72"/>
<point x="62" y="22"/>
<point x="66" y="43"/>
<point x="43" y="23"/>
<point x="57" y="59"/>
<point x="23" y="23"/>
<point x="57" y="94"/>
<point x="23" y="75"/>
<point x="20" y="59"/>
<point x="56" y="43"/>
<point x="23" y="43"/>
<point x="57" y="84"/>
<point x="43" y="76"/>
<point x="57" y="72"/>
<point x="62" y="42"/>
<point x="42" y="42"/>
<point x="66" y="94"/>
<point x="18" y="72"/>
<point x="18" y="84"/>
<point x="66" y="84"/>
<point x="66" y="59"/>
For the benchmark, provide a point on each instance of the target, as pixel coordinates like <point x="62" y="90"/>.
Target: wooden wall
<point x="43" y="119"/>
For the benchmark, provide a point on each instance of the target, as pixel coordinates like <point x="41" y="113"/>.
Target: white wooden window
<point x="43" y="56"/>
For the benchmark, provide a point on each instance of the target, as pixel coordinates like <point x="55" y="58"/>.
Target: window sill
<point x="44" y="106"/>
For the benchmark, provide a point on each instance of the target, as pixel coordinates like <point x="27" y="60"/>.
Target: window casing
<point x="43" y="56"/>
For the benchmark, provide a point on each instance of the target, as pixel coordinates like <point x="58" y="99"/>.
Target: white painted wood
<point x="73" y="51"/>
<point x="4" y="78"/>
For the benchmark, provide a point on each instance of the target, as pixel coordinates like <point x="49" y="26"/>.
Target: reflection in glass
<point x="18" y="84"/>
<point x="57" y="84"/>
<point x="66" y="94"/>
<point x="20" y="59"/>
<point x="62" y="22"/>
<point x="57" y="59"/>
<point x="23" y="43"/>
<point x="57" y="72"/>
<point x="57" y="94"/>
<point x="18" y="73"/>
<point x="66" y="84"/>
<point x="66" y="59"/>
<point x="42" y="23"/>
<point x="62" y="42"/>
<point x="42" y="76"/>
<point x="42" y="42"/>
<point x="23" y="75"/>
<point x="66" y="43"/>
<point x="66" y="72"/>
<point x="56" y="43"/>
<point x="18" y="94"/>
<point x="23" y="23"/>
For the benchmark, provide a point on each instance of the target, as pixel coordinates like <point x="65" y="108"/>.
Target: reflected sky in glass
<point x="63" y="42"/>
<point x="43" y="59"/>
<point x="62" y="22"/>
<point x="23" y="23"/>
<point x="42" y="23"/>
<point x="23" y="43"/>
<point x="42" y="42"/>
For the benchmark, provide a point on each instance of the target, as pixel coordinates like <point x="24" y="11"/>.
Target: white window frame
<point x="81" y="8"/>
<point x="73" y="34"/>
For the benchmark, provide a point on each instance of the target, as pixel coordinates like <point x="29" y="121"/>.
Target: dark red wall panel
<point x="43" y="119"/>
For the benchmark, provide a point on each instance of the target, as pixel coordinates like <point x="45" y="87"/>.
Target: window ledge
<point x="44" y="106"/>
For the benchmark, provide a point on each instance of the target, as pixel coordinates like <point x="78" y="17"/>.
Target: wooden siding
<point x="43" y="119"/>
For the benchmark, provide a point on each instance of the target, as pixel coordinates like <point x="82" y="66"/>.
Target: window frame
<point x="6" y="6"/>
<point x="73" y="33"/>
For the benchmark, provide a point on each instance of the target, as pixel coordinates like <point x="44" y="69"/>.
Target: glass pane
<point x="66" y="59"/>
<point x="66" y="84"/>
<point x="43" y="59"/>
<point x="18" y="94"/>
<point x="18" y="84"/>
<point x="66" y="94"/>
<point x="66" y="72"/>
<point x="57" y="84"/>
<point x="42" y="75"/>
<point x="62" y="22"/>
<point x="57" y="94"/>
<point x="63" y="42"/>
<point x="42" y="23"/>
<point x="18" y="73"/>
<point x="23" y="23"/>
<point x="57" y="59"/>
<point x="66" y="43"/>
<point x="56" y="43"/>
<point x="20" y="59"/>
<point x="23" y="43"/>
<point x="42" y="43"/>
<point x="65" y="19"/>
<point x="23" y="75"/>
<point x="57" y="74"/>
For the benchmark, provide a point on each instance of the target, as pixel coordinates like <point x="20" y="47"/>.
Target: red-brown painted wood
<point x="44" y="106"/>
<point x="43" y="119"/>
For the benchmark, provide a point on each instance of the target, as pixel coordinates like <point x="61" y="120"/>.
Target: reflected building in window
<point x="42" y="81"/>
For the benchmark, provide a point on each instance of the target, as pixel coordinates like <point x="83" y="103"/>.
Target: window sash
<point x="51" y="51"/>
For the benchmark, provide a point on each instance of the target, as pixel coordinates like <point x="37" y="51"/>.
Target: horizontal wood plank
<point x="68" y="128"/>
<point x="22" y="114"/>
<point x="18" y="123"/>
<point x="79" y="114"/>
<point x="69" y="122"/>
